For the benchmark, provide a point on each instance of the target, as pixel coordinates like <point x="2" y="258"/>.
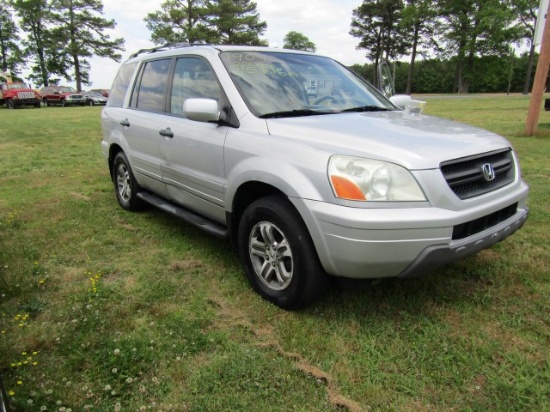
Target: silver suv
<point x="341" y="183"/>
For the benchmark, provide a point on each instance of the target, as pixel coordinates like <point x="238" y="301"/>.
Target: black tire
<point x="10" y="104"/>
<point x="126" y="187"/>
<point x="90" y="102"/>
<point x="63" y="103"/>
<point x="37" y="105"/>
<point x="46" y="103"/>
<point x="278" y="255"/>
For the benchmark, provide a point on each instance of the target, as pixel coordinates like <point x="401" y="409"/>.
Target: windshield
<point x="15" y="86"/>
<point x="275" y="84"/>
<point x="66" y="89"/>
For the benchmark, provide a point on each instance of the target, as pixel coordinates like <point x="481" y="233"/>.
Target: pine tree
<point x="179" y="21"/>
<point x="376" y="24"/>
<point x="420" y="21"/>
<point x="80" y="28"/>
<point x="39" y="45"/>
<point x="235" y="22"/>
<point x="10" y="56"/>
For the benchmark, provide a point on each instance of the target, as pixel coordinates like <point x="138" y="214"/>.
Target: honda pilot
<point x="340" y="183"/>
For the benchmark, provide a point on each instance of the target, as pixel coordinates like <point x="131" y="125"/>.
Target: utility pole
<point x="541" y="75"/>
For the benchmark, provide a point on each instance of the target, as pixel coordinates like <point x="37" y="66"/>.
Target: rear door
<point x="140" y="123"/>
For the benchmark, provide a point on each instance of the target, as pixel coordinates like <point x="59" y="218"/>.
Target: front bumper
<point x="26" y="102"/>
<point x="75" y="101"/>
<point x="377" y="243"/>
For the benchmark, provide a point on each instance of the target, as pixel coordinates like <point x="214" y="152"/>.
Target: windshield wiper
<point x="366" y="109"/>
<point x="294" y="113"/>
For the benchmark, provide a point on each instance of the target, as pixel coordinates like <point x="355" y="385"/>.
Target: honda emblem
<point x="488" y="172"/>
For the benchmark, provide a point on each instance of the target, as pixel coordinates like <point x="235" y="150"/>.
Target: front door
<point x="192" y="152"/>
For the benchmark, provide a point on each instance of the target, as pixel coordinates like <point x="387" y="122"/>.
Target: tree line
<point x="492" y="74"/>
<point x="451" y="45"/>
<point x="458" y="36"/>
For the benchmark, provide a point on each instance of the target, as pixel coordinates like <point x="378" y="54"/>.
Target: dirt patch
<point x="80" y="196"/>
<point x="186" y="265"/>
<point x="267" y="339"/>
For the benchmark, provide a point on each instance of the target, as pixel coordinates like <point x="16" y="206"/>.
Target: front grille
<point x="479" y="225"/>
<point x="465" y="176"/>
<point x="25" y="95"/>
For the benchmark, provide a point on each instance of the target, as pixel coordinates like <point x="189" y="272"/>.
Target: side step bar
<point x="201" y="222"/>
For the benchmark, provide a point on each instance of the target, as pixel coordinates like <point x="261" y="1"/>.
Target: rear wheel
<point x="278" y="254"/>
<point x="126" y="187"/>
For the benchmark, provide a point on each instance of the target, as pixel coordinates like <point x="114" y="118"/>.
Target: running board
<point x="201" y="222"/>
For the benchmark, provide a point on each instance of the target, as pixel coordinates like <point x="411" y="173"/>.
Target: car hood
<point x="416" y="142"/>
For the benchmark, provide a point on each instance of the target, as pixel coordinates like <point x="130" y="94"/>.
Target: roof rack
<point x="173" y="45"/>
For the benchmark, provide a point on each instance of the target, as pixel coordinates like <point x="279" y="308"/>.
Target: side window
<point x="193" y="77"/>
<point x="150" y="93"/>
<point x="120" y="85"/>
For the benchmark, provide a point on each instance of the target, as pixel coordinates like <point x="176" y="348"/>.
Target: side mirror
<point x="412" y="108"/>
<point x="384" y="79"/>
<point x="201" y="110"/>
<point x="401" y="100"/>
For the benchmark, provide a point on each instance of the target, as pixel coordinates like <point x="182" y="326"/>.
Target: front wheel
<point x="11" y="104"/>
<point x="278" y="255"/>
<point x="126" y="187"/>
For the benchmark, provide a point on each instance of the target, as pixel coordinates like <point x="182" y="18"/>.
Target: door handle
<point x="166" y="132"/>
<point x="125" y="123"/>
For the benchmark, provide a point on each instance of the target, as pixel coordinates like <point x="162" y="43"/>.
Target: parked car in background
<point x="17" y="94"/>
<point x="103" y="92"/>
<point x="95" y="99"/>
<point x="62" y="95"/>
<point x="347" y="185"/>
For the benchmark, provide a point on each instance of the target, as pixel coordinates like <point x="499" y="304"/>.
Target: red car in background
<point x="62" y="95"/>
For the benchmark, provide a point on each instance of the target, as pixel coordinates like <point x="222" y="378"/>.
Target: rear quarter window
<point x="120" y="85"/>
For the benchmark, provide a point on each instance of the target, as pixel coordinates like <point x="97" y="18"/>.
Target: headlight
<point x="355" y="178"/>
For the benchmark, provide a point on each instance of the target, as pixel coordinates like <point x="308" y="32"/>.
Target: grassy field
<point x="106" y="310"/>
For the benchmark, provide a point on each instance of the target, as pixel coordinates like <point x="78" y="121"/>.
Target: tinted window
<point x="193" y="78"/>
<point x="150" y="94"/>
<point x="120" y="85"/>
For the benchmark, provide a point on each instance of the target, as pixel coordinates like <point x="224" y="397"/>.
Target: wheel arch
<point x="251" y="191"/>
<point x="246" y="194"/>
<point x="114" y="149"/>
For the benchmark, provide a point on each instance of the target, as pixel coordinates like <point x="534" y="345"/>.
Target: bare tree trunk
<point x="527" y="84"/>
<point x="413" y="58"/>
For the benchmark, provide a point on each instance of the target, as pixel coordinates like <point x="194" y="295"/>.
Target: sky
<point x="325" y="22"/>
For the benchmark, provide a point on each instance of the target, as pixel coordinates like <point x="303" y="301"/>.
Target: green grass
<point x="105" y="310"/>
